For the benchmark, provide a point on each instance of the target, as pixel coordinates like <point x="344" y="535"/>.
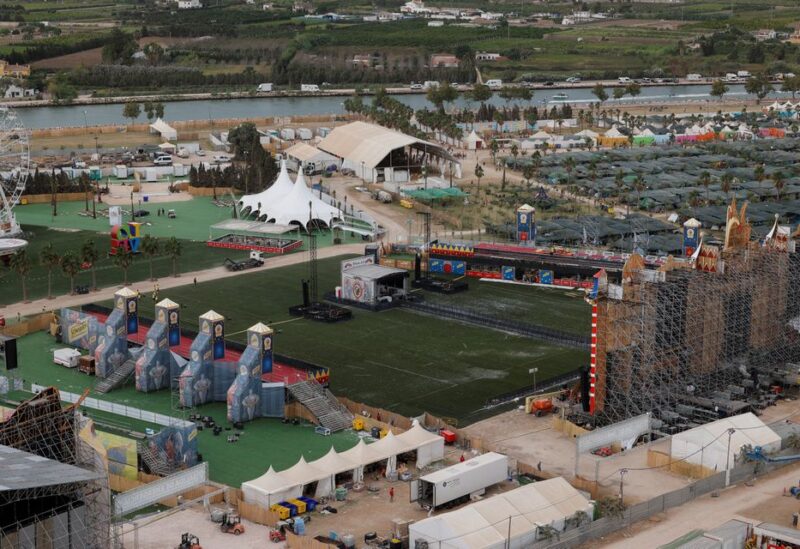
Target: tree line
<point x="72" y="261"/>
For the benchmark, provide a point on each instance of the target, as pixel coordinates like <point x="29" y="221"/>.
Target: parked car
<point x="415" y="86"/>
<point x="220" y="158"/>
<point x="200" y="152"/>
<point x="141" y="213"/>
<point x="573" y="80"/>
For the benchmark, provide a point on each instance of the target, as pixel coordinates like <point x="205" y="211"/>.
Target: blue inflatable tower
<point x="112" y="342"/>
<point x="244" y="395"/>
<point x="154" y="364"/>
<point x="197" y="377"/>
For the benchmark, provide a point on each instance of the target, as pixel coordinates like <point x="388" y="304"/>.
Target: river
<point x="79" y="115"/>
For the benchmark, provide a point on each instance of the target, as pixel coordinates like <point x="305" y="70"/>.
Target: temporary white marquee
<point x="486" y="524"/>
<point x="259" y="204"/>
<point x="168" y="133"/>
<point x="287" y="203"/>
<point x="707" y="445"/>
<point x="273" y="487"/>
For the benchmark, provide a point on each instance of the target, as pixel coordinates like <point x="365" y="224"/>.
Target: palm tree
<point x="151" y="247"/>
<point x="758" y="172"/>
<point x="705" y="181"/>
<point x="123" y="259"/>
<point x="779" y="181"/>
<point x="70" y="266"/>
<point x="21" y="264"/>
<point x="48" y="258"/>
<point x="639" y="185"/>
<point x="89" y="255"/>
<point x="515" y="154"/>
<point x="173" y="249"/>
<point x="619" y="182"/>
<point x="725" y="183"/>
<point x="479" y="173"/>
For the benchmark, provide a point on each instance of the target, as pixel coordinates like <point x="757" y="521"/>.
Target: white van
<point x="309" y="88"/>
<point x="731" y="77"/>
<point x="743" y="74"/>
<point x="624" y="80"/>
<point x="494" y="84"/>
<point x="694" y="77"/>
<point x="428" y="84"/>
<point x="264" y="88"/>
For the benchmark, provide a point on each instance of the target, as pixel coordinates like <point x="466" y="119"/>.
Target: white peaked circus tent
<point x="295" y="209"/>
<point x="260" y="204"/>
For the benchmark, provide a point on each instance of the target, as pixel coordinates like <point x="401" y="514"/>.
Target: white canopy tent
<point x="301" y="207"/>
<point x="707" y="445"/>
<point x="473" y="141"/>
<point x="488" y="523"/>
<point x="168" y="133"/>
<point x="430" y="446"/>
<point x="273" y="487"/>
<point x="261" y="203"/>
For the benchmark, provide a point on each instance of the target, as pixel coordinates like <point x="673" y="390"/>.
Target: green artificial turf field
<point x="396" y="359"/>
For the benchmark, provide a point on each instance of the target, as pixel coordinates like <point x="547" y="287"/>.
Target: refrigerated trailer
<point x="459" y="481"/>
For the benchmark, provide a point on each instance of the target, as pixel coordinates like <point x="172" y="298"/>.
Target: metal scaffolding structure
<point x="40" y="426"/>
<point x="699" y="339"/>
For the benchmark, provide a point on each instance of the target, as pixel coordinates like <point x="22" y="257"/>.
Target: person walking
<point x="391" y="494"/>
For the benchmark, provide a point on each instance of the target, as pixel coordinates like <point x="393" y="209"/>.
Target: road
<point x="42" y="305"/>
<point x="706" y="512"/>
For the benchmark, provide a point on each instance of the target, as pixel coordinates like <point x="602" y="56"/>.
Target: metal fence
<point x="549" y="335"/>
<point x="640" y="511"/>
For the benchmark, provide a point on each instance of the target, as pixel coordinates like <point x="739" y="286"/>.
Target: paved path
<point x="146" y="286"/>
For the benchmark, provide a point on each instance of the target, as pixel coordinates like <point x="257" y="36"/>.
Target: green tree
<point x="158" y="109"/>
<point x="725" y="182"/>
<point x="20" y="263"/>
<point x="480" y="93"/>
<point x="758" y="86"/>
<point x="528" y="172"/>
<point x="154" y="53"/>
<point x="49" y="259"/>
<point x="791" y="84"/>
<point x="61" y="90"/>
<point x="619" y="93"/>
<point x="494" y="148"/>
<point x="599" y="92"/>
<point x="639" y="185"/>
<point x="243" y="137"/>
<point x="515" y="153"/>
<point x="119" y="48"/>
<point x="633" y="89"/>
<point x="151" y="247"/>
<point x="758" y="172"/>
<point x="131" y="110"/>
<point x="479" y="173"/>
<point x="718" y="89"/>
<point x="173" y="249"/>
<point x="123" y="259"/>
<point x="70" y="266"/>
<point x="779" y="181"/>
<point x="90" y="255"/>
<point x="705" y="181"/>
<point x="147" y="107"/>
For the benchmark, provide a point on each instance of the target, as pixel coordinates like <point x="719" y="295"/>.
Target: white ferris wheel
<point x="15" y="163"/>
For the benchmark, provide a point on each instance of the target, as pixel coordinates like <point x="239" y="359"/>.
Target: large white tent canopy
<point x="707" y="445"/>
<point x="486" y="524"/>
<point x="287" y="203"/>
<point x="273" y="487"/>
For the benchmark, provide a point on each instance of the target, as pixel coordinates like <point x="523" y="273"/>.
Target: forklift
<point x="189" y="541"/>
<point x="232" y="524"/>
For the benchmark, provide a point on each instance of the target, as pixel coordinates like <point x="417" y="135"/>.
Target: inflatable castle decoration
<point x="244" y="395"/>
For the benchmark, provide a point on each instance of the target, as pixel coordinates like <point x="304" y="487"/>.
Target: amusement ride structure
<point x="14" y="171"/>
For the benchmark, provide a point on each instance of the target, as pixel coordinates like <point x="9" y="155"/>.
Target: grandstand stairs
<point x="155" y="462"/>
<point x="117" y="378"/>
<point x="323" y="404"/>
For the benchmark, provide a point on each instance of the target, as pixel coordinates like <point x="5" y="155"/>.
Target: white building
<point x="14" y="92"/>
<point x="189" y="4"/>
<point x="487" y="56"/>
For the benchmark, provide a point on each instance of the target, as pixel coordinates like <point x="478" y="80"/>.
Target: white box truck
<point x="743" y="74"/>
<point x="430" y="84"/>
<point x="288" y="134"/>
<point x="458" y="482"/>
<point x="264" y="88"/>
<point x="304" y="133"/>
<point x="66" y="357"/>
<point x="309" y="88"/>
<point x="694" y="77"/>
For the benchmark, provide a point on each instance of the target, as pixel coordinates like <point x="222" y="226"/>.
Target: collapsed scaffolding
<point x="699" y="339"/>
<point x="40" y="426"/>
